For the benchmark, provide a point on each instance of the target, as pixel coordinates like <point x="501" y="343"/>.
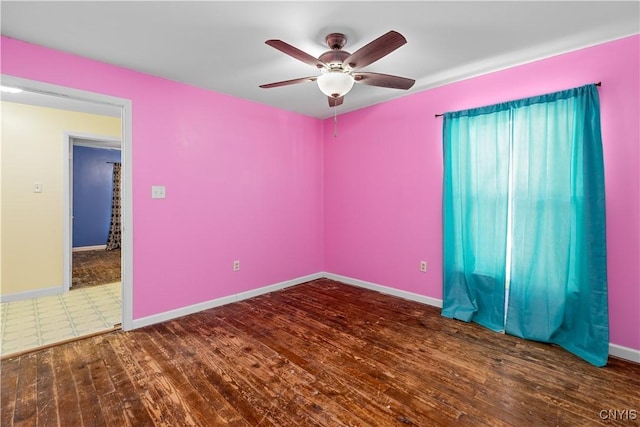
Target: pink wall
<point x="383" y="175"/>
<point x="249" y="182"/>
<point x="244" y="182"/>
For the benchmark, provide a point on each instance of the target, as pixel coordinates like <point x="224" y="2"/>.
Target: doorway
<point x="94" y="195"/>
<point x="94" y="190"/>
<point x="123" y="106"/>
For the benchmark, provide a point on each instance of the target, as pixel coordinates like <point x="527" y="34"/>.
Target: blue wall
<point x="92" y="188"/>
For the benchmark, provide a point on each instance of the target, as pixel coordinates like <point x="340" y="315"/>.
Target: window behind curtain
<point x="524" y="184"/>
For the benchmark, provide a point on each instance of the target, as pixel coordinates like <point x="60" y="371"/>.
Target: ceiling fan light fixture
<point x="338" y="66"/>
<point x="335" y="83"/>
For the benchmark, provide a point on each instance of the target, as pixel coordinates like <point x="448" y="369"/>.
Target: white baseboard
<point x="385" y="289"/>
<point x="183" y="311"/>
<point x="626" y="353"/>
<point x="19" y="296"/>
<point x="88" y="248"/>
<point x="615" y="350"/>
<point x="282" y="285"/>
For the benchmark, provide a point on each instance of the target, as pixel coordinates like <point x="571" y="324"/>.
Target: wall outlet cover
<point x="158" y="192"/>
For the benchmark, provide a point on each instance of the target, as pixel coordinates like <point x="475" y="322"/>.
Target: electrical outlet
<point x="236" y="265"/>
<point x="423" y="266"/>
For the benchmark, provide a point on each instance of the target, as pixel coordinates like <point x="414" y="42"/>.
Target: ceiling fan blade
<point x="296" y="53"/>
<point x="289" y="82"/>
<point x="383" y="80"/>
<point x="334" y="102"/>
<point x="380" y="47"/>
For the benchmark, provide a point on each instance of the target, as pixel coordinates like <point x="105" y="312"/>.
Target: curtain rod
<point x="114" y="163"/>
<point x="597" y="84"/>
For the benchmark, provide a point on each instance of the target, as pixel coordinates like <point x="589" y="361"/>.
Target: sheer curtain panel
<point x="550" y="234"/>
<point x="476" y="178"/>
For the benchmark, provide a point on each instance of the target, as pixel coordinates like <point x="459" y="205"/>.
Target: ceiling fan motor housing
<point x="335" y="57"/>
<point x="336" y="41"/>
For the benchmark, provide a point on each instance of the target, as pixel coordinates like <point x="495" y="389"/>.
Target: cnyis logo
<point x="618" y="414"/>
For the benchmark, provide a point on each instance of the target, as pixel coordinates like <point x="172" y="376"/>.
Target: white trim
<point x="626" y="353"/>
<point x="96" y="146"/>
<point x="125" y="106"/>
<point x="89" y="248"/>
<point x="195" y="308"/>
<point x="19" y="296"/>
<point x="276" y="287"/>
<point x="67" y="214"/>
<point x="97" y="141"/>
<point x="615" y="350"/>
<point x="126" y="158"/>
<point x="385" y="289"/>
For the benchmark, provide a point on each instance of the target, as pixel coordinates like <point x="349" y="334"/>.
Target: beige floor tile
<point x="12" y="335"/>
<point x="21" y="311"/>
<point x="20" y="329"/>
<point x="57" y="336"/>
<point x="92" y="327"/>
<point x="47" y="327"/>
<point x="31" y="323"/>
<point x="53" y="313"/>
<point x="107" y="308"/>
<point x="51" y="305"/>
<point x="81" y="311"/>
<point x="20" y="305"/>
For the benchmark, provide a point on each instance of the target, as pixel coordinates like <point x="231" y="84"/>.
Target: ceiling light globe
<point x="335" y="83"/>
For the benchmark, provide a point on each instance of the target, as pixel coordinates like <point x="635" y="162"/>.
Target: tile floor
<point x="36" y="322"/>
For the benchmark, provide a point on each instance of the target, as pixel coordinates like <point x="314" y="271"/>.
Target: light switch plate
<point x="158" y="192"/>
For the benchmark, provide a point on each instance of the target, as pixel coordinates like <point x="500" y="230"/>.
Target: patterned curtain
<point x="113" y="242"/>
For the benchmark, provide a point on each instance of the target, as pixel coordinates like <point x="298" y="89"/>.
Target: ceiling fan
<point x="339" y="68"/>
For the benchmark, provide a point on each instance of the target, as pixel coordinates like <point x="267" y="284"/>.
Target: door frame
<point x="69" y="140"/>
<point x="125" y="106"/>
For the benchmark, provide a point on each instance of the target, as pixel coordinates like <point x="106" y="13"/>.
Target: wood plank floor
<point x="321" y="353"/>
<point x="97" y="267"/>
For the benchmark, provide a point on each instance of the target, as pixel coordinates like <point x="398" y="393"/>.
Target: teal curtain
<point x="554" y="220"/>
<point x="558" y="265"/>
<point x="476" y="156"/>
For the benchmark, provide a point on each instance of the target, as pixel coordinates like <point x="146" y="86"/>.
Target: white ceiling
<point x="220" y="45"/>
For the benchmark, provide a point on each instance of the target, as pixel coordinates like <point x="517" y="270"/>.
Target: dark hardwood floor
<point x="321" y="353"/>
<point x="93" y="268"/>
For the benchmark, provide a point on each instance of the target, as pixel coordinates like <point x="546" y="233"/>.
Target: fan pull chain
<point x="335" y="122"/>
